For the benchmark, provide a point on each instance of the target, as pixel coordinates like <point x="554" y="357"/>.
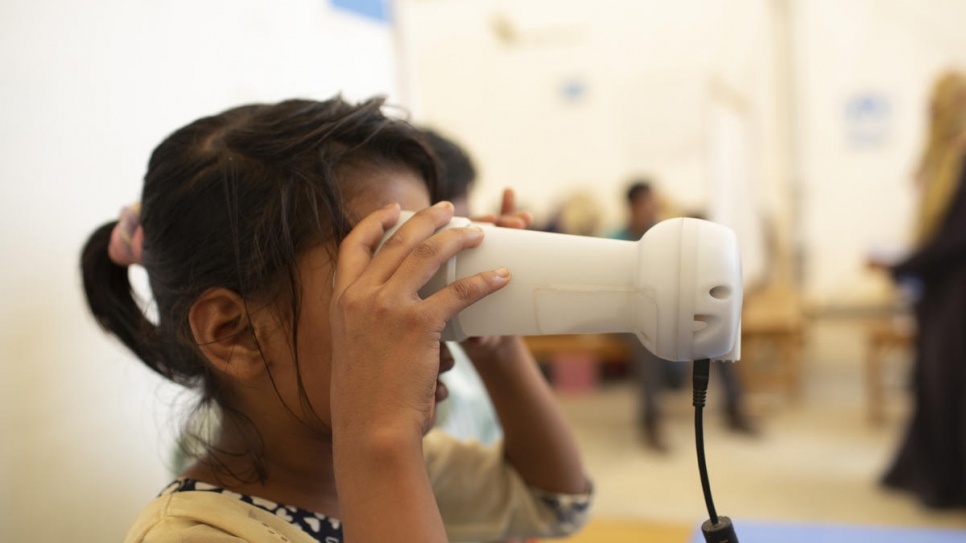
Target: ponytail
<point x="111" y="299"/>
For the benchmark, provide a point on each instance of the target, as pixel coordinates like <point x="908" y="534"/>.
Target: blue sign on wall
<point x="374" y="9"/>
<point x="868" y="120"/>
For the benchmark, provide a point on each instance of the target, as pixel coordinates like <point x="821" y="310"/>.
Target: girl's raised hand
<point x="385" y="339"/>
<point x="509" y="217"/>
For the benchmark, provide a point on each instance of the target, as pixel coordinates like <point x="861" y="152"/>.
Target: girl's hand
<point x="509" y="216"/>
<point x="385" y="339"/>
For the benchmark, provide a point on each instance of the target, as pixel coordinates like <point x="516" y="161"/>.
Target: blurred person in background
<point x="578" y="214"/>
<point x="931" y="461"/>
<point x="653" y="374"/>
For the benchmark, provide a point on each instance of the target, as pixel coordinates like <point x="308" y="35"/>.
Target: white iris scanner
<point x="678" y="288"/>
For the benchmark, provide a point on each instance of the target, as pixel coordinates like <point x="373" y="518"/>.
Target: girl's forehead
<point x="384" y="187"/>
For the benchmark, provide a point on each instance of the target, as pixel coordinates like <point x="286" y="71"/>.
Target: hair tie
<point x="127" y="239"/>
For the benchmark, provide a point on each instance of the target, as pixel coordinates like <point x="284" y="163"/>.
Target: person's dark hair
<point x="231" y="201"/>
<point x="456" y="170"/>
<point x="638" y="189"/>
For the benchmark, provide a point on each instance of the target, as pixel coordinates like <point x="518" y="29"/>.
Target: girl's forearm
<point x="537" y="439"/>
<point x="384" y="491"/>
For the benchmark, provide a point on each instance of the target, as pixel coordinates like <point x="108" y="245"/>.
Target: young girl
<point x="257" y="228"/>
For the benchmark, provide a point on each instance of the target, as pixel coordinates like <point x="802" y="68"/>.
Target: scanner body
<point x="678" y="288"/>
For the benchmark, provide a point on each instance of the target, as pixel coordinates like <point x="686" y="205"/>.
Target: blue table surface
<point x="775" y="532"/>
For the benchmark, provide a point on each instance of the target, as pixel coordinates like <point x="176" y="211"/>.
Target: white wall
<point x="88" y="88"/>
<point x="856" y="196"/>
<point x="657" y="72"/>
<point x="651" y="71"/>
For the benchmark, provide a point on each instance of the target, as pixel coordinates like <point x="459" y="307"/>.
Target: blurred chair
<point x="772" y="318"/>
<point x="883" y="338"/>
<point x="891" y="335"/>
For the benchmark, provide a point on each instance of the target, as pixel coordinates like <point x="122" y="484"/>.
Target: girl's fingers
<point x="426" y="258"/>
<point x="509" y="216"/>
<point x="355" y="251"/>
<point x="509" y="205"/>
<point x="458" y="295"/>
<point x="489" y="217"/>
<point x="414" y="232"/>
<point x="520" y="220"/>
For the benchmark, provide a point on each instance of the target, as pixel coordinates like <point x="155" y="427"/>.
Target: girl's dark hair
<point x="456" y="169"/>
<point x="231" y="201"/>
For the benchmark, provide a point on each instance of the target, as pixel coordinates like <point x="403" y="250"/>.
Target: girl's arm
<point x="538" y="441"/>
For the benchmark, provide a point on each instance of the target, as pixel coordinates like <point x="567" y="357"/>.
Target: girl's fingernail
<point x="502" y="273"/>
<point x="444" y="204"/>
<point x="474" y="231"/>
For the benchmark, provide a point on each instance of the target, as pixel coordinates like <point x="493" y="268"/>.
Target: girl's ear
<point x="221" y="327"/>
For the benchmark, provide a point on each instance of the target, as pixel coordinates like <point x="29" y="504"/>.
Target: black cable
<point x="717" y="529"/>
<point x="700" y="377"/>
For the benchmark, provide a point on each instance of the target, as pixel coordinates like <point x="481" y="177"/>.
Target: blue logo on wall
<point x="573" y="90"/>
<point x="868" y="117"/>
<point x="377" y="10"/>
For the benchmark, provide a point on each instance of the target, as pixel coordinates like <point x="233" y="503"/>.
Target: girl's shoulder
<point x="209" y="517"/>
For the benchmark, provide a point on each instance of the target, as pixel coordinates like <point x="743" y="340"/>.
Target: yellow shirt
<point x="480" y="498"/>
